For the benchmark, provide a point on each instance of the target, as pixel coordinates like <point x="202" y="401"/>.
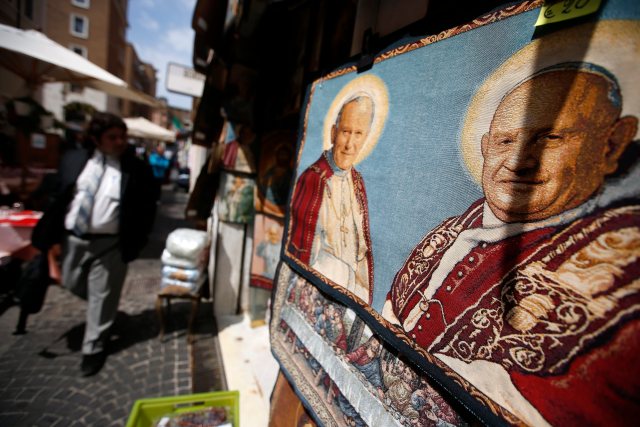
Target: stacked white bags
<point x="184" y="259"/>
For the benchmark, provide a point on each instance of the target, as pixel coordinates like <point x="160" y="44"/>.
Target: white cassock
<point x="339" y="247"/>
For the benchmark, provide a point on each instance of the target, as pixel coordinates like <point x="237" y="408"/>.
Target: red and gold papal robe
<point x="305" y="208"/>
<point x="557" y="308"/>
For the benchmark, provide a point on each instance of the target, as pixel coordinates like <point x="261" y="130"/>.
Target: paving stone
<point x="80" y="399"/>
<point x="91" y="419"/>
<point x="9" y="418"/>
<point x="27" y="419"/>
<point x="48" y="420"/>
<point x="28" y="394"/>
<point x="108" y="408"/>
<point x="19" y="406"/>
<point x="61" y="395"/>
<point x="65" y="408"/>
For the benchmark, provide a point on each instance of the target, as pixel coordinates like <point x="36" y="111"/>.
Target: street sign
<point x="184" y="80"/>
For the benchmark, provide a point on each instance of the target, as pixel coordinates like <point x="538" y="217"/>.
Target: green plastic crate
<point x="146" y="412"/>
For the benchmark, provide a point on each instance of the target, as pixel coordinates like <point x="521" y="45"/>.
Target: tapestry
<point x="236" y="198"/>
<point x="267" y="242"/>
<point x="346" y="373"/>
<point x="275" y="170"/>
<point x="237" y="149"/>
<point x="474" y="198"/>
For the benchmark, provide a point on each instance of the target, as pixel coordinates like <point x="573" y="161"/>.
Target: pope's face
<point x="548" y="147"/>
<point x="113" y="142"/>
<point x="237" y="183"/>
<point x="350" y="133"/>
<point x="272" y="235"/>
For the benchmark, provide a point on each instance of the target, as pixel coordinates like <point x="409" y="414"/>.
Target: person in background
<point x="159" y="164"/>
<point x="102" y="213"/>
<point x="74" y="136"/>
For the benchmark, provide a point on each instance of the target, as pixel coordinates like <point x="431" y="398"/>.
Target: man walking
<point x="102" y="213"/>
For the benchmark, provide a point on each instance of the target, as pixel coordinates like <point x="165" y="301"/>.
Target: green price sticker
<point x="565" y="10"/>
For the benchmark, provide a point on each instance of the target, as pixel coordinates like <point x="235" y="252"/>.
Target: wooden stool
<point x="170" y="292"/>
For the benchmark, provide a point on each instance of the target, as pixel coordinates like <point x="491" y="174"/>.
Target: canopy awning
<point x="37" y="59"/>
<point x="142" y="128"/>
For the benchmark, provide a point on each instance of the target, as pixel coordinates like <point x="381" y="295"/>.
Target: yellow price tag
<point x="565" y="10"/>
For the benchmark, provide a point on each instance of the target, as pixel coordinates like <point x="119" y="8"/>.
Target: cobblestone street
<point x="40" y="381"/>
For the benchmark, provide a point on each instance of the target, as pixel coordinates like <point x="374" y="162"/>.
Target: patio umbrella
<point x="38" y="59"/>
<point x="143" y="128"/>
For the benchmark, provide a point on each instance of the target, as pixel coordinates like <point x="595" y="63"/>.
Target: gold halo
<point x="374" y="87"/>
<point x="613" y="44"/>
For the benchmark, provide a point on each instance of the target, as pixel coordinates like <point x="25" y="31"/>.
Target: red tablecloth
<point x="21" y="219"/>
<point x="15" y="233"/>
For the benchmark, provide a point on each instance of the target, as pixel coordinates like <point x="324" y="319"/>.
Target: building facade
<point x="97" y="31"/>
<point x="140" y="76"/>
<point x="25" y="14"/>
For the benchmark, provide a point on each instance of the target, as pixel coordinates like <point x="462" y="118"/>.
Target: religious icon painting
<point x="236" y="198"/>
<point x="267" y="242"/>
<point x="275" y="170"/>
<point x="329" y="216"/>
<point x="343" y="370"/>
<point x="238" y="149"/>
<point x="474" y="198"/>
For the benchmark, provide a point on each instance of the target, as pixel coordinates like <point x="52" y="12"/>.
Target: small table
<point x="167" y="294"/>
<point x="15" y="234"/>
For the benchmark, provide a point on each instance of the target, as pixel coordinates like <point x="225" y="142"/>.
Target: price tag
<point x="565" y="10"/>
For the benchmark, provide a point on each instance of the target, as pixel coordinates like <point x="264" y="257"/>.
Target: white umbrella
<point x="143" y="128"/>
<point x="38" y="59"/>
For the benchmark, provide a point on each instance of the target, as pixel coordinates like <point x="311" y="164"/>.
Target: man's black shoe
<point x="92" y="363"/>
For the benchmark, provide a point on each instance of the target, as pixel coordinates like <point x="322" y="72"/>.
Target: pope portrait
<point x="532" y="294"/>
<point x="329" y="213"/>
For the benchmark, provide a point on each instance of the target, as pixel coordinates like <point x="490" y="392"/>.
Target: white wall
<point x="56" y="95"/>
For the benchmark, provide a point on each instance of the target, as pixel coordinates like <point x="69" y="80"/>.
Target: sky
<point x="161" y="32"/>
